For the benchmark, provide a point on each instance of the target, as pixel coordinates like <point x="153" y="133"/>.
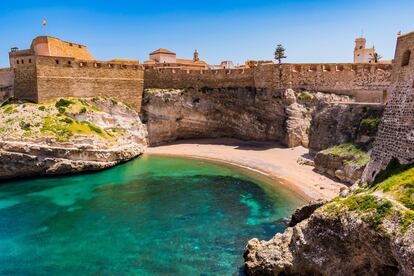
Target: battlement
<point x="366" y="82"/>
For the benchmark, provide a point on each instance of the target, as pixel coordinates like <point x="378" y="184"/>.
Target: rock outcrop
<point x="345" y="162"/>
<point x="369" y="232"/>
<point x="69" y="135"/>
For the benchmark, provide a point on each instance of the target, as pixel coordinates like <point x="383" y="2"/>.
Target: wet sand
<point x="270" y="159"/>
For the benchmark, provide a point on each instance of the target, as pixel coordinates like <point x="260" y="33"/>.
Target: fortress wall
<point x="6" y="83"/>
<point x="25" y="84"/>
<point x="176" y="78"/>
<point x="56" y="77"/>
<point x="365" y="82"/>
<point x="395" y="139"/>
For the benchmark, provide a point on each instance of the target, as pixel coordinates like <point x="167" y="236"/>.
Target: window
<point x="69" y="62"/>
<point x="17" y="62"/>
<point x="30" y="60"/>
<point x="57" y="61"/>
<point x="80" y="46"/>
<point x="406" y="58"/>
<point x="70" y="44"/>
<point x="22" y="61"/>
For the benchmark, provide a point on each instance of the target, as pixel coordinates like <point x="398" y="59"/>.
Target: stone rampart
<point x="42" y="78"/>
<point x="365" y="82"/>
<point x="395" y="138"/>
<point x="6" y="83"/>
<point x="180" y="79"/>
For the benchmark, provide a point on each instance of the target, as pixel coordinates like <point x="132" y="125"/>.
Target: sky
<point x="311" y="31"/>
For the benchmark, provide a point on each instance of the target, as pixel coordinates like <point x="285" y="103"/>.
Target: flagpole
<point x="44" y="23"/>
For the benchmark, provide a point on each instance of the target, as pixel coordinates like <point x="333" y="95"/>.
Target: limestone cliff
<point x="368" y="232"/>
<point x="337" y="123"/>
<point x="191" y="113"/>
<point x="248" y="113"/>
<point x="341" y="138"/>
<point x="68" y="135"/>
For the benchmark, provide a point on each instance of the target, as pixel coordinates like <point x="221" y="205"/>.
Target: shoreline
<point x="269" y="159"/>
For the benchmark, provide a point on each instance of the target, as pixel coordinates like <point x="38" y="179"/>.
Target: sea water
<point x="151" y="216"/>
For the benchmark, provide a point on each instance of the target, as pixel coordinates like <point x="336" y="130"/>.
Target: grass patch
<point x="350" y="152"/>
<point x="372" y="210"/>
<point x="305" y="96"/>
<point x="66" y="127"/>
<point x="25" y="126"/>
<point x="406" y="221"/>
<point x="369" y="125"/>
<point x="400" y="184"/>
<point x="63" y="103"/>
<point x="9" y="109"/>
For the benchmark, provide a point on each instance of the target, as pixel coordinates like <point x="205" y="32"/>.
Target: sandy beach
<point x="270" y="159"/>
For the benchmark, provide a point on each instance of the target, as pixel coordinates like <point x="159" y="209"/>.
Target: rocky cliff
<point x="68" y="135"/>
<point x="370" y="231"/>
<point x="338" y="123"/>
<point x="248" y="114"/>
<point x="341" y="138"/>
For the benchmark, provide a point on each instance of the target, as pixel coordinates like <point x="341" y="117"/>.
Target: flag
<point x="44" y="22"/>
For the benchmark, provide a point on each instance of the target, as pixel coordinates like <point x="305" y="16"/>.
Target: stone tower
<point x="361" y="53"/>
<point x="395" y="138"/>
<point x="196" y="57"/>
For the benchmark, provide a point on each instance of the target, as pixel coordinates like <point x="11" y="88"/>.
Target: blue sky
<point x="311" y="31"/>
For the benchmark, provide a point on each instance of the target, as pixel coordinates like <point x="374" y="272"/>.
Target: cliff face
<point x="334" y="124"/>
<point x="341" y="137"/>
<point x="68" y="135"/>
<point x="247" y="114"/>
<point x="368" y="232"/>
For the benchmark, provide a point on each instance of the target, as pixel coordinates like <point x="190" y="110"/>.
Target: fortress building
<point x="361" y="53"/>
<point x="164" y="58"/>
<point x="52" y="68"/>
<point x="50" y="46"/>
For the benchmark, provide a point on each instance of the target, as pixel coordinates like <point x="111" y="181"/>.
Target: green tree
<point x="280" y="53"/>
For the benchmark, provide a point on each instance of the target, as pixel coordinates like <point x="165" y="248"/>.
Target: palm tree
<point x="375" y="57"/>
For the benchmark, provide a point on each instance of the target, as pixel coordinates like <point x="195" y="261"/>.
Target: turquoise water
<point x="150" y="216"/>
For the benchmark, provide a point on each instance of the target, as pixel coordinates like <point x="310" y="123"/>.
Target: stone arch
<point x="406" y="58"/>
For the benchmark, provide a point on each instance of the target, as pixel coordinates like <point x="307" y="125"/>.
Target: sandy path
<point x="270" y="159"/>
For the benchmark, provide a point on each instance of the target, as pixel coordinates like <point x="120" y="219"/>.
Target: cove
<point x="151" y="216"/>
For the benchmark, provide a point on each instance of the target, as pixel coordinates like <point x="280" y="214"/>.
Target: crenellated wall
<point x="41" y="79"/>
<point x="365" y="82"/>
<point x="395" y="138"/>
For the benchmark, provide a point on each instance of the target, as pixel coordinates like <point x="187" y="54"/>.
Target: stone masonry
<point x="365" y="82"/>
<point x="46" y="78"/>
<point x="395" y="138"/>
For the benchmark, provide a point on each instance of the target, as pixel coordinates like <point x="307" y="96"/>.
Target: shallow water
<point x="151" y="216"/>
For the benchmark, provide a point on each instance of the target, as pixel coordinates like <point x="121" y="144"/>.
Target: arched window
<point x="406" y="58"/>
